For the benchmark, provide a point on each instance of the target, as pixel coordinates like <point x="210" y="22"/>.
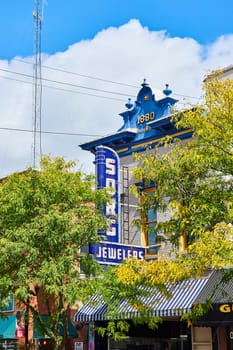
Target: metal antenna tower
<point x="37" y="81"/>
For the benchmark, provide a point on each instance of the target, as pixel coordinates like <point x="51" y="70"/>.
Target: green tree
<point x="46" y="217"/>
<point x="194" y="179"/>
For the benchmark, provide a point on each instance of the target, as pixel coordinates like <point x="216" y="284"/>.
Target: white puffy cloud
<point x="220" y="53"/>
<point x="126" y="54"/>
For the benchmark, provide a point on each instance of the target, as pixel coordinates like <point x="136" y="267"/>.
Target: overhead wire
<point x="66" y="90"/>
<point x="65" y="83"/>
<point x="98" y="78"/>
<point x="80" y="75"/>
<point x="51" y="132"/>
<point x="58" y="88"/>
<point x="79" y="86"/>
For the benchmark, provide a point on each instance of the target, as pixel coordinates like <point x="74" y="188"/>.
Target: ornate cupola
<point x="146" y="107"/>
<point x="147" y="119"/>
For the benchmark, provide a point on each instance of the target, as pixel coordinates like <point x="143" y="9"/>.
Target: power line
<point x="96" y="78"/>
<point x="104" y="80"/>
<point x="72" y="91"/>
<point x="50" y="132"/>
<point x="195" y="98"/>
<point x="65" y="83"/>
<point x="80" y="75"/>
<point x="66" y="90"/>
<point x="80" y="92"/>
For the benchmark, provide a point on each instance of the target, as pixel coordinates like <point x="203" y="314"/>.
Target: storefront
<point x="7" y="332"/>
<point x="213" y="331"/>
<point x="171" y="334"/>
<point x="219" y="321"/>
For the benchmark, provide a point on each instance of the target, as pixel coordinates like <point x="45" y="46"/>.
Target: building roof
<point x="223" y="73"/>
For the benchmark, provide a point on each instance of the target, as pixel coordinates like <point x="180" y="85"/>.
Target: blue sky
<point x="68" y="21"/>
<point x="95" y="55"/>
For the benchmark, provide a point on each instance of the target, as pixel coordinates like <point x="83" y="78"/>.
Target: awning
<point x="7" y="327"/>
<point x="183" y="296"/>
<point x="221" y="294"/>
<point x="220" y="291"/>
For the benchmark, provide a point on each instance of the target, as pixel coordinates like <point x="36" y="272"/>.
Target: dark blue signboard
<point x="115" y="253"/>
<point x="110" y="251"/>
<point x="107" y="172"/>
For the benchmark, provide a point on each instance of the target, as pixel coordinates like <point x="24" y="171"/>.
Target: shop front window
<point x="149" y="221"/>
<point x="133" y="343"/>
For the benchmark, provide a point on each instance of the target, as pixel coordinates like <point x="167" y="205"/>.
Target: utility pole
<point x="37" y="82"/>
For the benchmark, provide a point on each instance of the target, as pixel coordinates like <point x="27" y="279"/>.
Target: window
<point x="149" y="221"/>
<point x="9" y="304"/>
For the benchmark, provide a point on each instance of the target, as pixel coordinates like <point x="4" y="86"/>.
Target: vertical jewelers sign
<point x="107" y="171"/>
<point x="110" y="251"/>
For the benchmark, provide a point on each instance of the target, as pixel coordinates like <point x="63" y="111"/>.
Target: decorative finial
<point x="167" y="91"/>
<point x="144" y="82"/>
<point x="129" y="104"/>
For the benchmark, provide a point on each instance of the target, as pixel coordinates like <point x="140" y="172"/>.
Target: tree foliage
<point x="194" y="178"/>
<point x="46" y="217"/>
